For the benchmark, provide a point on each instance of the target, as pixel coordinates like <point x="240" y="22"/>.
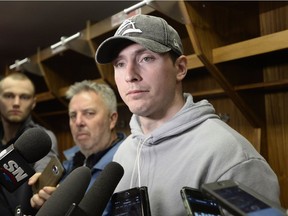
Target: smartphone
<point x="240" y="200"/>
<point x="197" y="204"/>
<point x="50" y="176"/>
<point x="131" y="202"/>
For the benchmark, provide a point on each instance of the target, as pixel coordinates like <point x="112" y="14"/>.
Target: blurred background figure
<point x="93" y="116"/>
<point x="17" y="100"/>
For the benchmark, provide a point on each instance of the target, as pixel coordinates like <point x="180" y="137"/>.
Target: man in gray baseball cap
<point x="174" y="141"/>
<point x="151" y="32"/>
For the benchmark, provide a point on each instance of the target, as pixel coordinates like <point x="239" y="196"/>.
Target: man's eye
<point x="147" y="59"/>
<point x="8" y="96"/>
<point x="118" y="64"/>
<point x="25" y="97"/>
<point x="89" y="114"/>
<point x="72" y="117"/>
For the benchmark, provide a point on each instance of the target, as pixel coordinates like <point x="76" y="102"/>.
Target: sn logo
<point x="16" y="170"/>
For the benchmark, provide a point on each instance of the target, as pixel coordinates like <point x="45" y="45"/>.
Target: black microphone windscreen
<point x="70" y="191"/>
<point x="33" y="144"/>
<point x="98" y="196"/>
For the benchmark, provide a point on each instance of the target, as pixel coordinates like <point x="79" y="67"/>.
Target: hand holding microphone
<point x="70" y="191"/>
<point x="49" y="179"/>
<point x="67" y="199"/>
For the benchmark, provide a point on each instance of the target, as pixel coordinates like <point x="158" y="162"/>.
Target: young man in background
<point x="17" y="101"/>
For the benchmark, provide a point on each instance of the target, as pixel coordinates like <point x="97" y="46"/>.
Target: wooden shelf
<point x="276" y="86"/>
<point x="61" y="67"/>
<point x="257" y="46"/>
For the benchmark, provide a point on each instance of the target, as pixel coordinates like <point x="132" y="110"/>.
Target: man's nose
<point x="132" y="73"/>
<point x="16" y="101"/>
<point x="79" y="120"/>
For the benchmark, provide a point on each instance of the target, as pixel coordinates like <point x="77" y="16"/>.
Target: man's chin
<point x="15" y="119"/>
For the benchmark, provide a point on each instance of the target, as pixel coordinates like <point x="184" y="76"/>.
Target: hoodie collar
<point x="191" y="115"/>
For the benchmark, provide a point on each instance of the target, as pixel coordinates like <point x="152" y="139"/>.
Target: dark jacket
<point x="103" y="159"/>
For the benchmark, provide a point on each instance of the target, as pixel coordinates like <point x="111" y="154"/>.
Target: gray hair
<point x="103" y="90"/>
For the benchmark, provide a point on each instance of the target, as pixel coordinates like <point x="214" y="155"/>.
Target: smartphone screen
<point x="241" y="200"/>
<point x="197" y="204"/>
<point x="132" y="202"/>
<point x="247" y="203"/>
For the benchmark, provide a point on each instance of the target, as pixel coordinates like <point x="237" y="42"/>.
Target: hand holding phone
<point x="50" y="176"/>
<point x="240" y="200"/>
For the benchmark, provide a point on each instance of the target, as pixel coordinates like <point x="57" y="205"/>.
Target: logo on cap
<point x="128" y="26"/>
<point x="176" y="44"/>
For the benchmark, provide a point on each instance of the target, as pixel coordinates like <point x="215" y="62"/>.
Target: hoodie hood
<point x="191" y="115"/>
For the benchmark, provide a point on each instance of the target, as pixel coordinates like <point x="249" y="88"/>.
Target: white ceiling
<point x="26" y="26"/>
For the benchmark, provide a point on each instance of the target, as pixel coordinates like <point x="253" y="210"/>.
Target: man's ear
<point x="181" y="65"/>
<point x="113" y="120"/>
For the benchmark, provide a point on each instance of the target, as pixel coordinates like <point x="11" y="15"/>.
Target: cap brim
<point x="110" y="48"/>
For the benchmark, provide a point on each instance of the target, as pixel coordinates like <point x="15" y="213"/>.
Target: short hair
<point x="103" y="90"/>
<point x="17" y="76"/>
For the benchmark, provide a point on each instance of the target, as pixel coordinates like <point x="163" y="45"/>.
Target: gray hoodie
<point x="192" y="148"/>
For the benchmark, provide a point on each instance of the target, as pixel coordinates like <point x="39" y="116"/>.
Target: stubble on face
<point x="146" y="80"/>
<point x="23" y="90"/>
<point x="91" y="130"/>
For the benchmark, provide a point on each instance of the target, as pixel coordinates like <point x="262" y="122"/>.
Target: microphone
<point x="30" y="147"/>
<point x="70" y="191"/>
<point x="98" y="196"/>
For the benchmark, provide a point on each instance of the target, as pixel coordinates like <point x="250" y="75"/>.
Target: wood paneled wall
<point x="277" y="103"/>
<point x="237" y="59"/>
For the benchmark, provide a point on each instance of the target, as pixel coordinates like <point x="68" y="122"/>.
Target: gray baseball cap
<point x="153" y="33"/>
